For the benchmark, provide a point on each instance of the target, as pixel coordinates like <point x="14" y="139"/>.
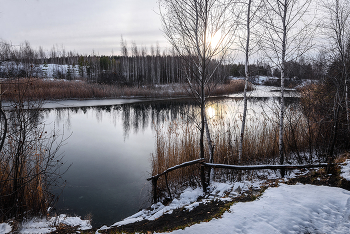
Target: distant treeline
<point x="134" y="67"/>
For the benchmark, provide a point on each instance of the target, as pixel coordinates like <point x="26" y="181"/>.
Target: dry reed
<point x="40" y="89"/>
<point x="178" y="142"/>
<point x="29" y="165"/>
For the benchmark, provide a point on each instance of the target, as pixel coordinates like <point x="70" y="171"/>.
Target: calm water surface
<point x="109" y="149"/>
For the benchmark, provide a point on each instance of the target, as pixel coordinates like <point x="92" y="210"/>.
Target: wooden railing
<point x="154" y="178"/>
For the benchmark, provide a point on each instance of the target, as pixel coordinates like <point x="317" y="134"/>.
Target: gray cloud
<point x="80" y="25"/>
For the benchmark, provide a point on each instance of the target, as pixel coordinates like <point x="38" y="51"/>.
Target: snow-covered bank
<point x="42" y="225"/>
<point x="285" y="209"/>
<point x="189" y="199"/>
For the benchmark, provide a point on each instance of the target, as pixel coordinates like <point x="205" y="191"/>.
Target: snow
<point x="345" y="170"/>
<point x="5" y="228"/>
<point x="44" y="70"/>
<point x="42" y="225"/>
<point x="187" y="198"/>
<point x="285" y="209"/>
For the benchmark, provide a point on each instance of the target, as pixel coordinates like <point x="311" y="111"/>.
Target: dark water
<point x="109" y="149"/>
<point x="109" y="152"/>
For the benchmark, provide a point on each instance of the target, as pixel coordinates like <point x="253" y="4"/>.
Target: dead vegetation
<point x="178" y="142"/>
<point x="30" y="162"/>
<point x="43" y="89"/>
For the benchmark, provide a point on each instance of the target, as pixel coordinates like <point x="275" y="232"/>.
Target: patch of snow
<point x="345" y="170"/>
<point x="262" y="79"/>
<point x="189" y="200"/>
<point x="5" y="228"/>
<point x="36" y="225"/>
<point x="188" y="197"/>
<point x="104" y="227"/>
<point x="192" y="206"/>
<point x="42" y="225"/>
<point x="285" y="209"/>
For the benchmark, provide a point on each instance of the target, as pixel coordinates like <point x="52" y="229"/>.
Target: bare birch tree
<point x="286" y="37"/>
<point x="201" y="33"/>
<point x="251" y="8"/>
<point x="125" y="60"/>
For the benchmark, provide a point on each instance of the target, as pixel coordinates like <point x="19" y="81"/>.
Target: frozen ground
<point x="283" y="209"/>
<point x="42" y="225"/>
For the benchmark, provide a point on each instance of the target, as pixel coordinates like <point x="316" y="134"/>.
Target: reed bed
<point x="178" y="142"/>
<point x="40" y="89"/>
<point x="233" y="86"/>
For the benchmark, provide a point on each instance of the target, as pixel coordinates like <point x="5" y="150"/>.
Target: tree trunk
<point x="240" y="149"/>
<point x="283" y="64"/>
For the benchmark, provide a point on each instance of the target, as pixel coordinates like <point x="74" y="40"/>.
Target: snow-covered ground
<point x="43" y="70"/>
<point x="285" y="209"/>
<point x="42" y="225"/>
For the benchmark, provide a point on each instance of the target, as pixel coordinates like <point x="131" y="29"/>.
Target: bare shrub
<point x="30" y="165"/>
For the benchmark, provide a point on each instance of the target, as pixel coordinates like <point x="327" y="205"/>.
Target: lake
<point x="109" y="149"/>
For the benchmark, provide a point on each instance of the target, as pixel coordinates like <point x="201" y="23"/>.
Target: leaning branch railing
<point x="259" y="167"/>
<point x="154" y="178"/>
<point x="185" y="164"/>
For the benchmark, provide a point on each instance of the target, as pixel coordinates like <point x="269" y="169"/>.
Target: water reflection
<point x="110" y="150"/>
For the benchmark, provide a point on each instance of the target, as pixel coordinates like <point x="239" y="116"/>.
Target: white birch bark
<point x="240" y="148"/>
<point x="283" y="62"/>
<point x="286" y="37"/>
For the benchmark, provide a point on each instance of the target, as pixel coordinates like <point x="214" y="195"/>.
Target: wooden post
<point x="154" y="189"/>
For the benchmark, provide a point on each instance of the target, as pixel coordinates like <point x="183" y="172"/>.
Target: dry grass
<point x="29" y="165"/>
<point x="30" y="195"/>
<point x="39" y="89"/>
<point x="234" y="86"/>
<point x="179" y="142"/>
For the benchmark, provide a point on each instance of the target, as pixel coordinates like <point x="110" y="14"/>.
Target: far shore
<point x="33" y="89"/>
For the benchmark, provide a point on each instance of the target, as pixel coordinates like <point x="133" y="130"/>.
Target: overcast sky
<point x="82" y="26"/>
